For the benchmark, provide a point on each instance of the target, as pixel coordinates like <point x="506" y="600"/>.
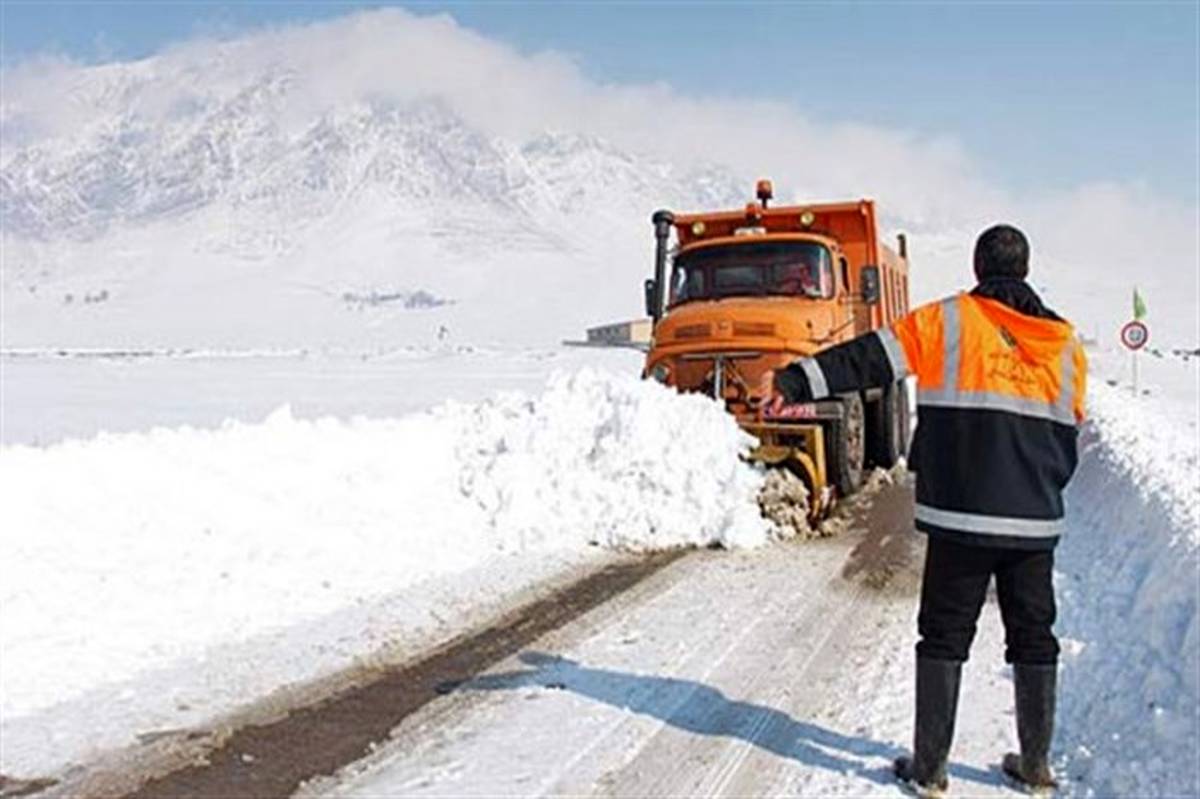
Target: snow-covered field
<point x="48" y="397"/>
<point x="143" y="552"/>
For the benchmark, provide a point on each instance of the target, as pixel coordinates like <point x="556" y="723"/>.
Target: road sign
<point x="1135" y="335"/>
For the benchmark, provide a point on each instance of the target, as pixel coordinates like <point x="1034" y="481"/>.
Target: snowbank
<point x="1129" y="579"/>
<point x="127" y="553"/>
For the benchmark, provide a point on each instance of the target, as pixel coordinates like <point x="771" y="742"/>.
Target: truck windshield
<point x="794" y="268"/>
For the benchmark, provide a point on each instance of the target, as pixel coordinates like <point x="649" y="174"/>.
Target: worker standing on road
<point x="1000" y="394"/>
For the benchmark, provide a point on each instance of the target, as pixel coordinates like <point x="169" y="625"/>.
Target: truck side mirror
<point x="869" y="284"/>
<point x="651" y="288"/>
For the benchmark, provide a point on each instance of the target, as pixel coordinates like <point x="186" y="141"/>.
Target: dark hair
<point x="1001" y="251"/>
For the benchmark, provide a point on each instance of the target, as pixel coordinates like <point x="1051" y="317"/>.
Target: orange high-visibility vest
<point x="1000" y="395"/>
<point x="972" y="352"/>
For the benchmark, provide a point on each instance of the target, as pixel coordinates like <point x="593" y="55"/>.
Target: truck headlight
<point x="661" y="372"/>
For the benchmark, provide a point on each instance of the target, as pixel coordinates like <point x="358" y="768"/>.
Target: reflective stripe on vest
<point x="816" y="378"/>
<point x="994" y="525"/>
<point x="1065" y="408"/>
<point x="894" y="352"/>
<point x="951" y="344"/>
<point x="951" y="396"/>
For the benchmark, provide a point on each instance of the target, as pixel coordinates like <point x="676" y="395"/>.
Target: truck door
<point x="862" y="313"/>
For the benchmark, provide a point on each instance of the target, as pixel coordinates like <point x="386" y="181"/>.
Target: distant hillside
<point x="235" y="193"/>
<point x="230" y="224"/>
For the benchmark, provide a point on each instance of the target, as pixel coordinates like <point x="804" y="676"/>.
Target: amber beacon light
<point x="765" y="192"/>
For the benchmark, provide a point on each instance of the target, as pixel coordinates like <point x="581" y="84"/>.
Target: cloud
<point x="396" y="56"/>
<point x="1111" y="234"/>
<point x="1106" y="238"/>
<point x="37" y="101"/>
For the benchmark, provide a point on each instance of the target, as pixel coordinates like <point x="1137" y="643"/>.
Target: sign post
<point x="1134" y="336"/>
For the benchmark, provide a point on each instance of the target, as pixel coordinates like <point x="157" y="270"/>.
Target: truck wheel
<point x="847" y="446"/>
<point x="887" y="426"/>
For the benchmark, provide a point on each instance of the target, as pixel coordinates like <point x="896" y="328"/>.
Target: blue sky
<point x="1043" y="96"/>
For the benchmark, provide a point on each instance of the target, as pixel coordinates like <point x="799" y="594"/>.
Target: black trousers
<point x="954" y="588"/>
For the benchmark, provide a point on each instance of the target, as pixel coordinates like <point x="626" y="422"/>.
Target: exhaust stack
<point x="663" y="220"/>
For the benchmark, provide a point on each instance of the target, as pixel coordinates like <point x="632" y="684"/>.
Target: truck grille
<point x="753" y="329"/>
<point x="694" y="331"/>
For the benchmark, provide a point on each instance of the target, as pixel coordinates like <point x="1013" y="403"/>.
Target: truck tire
<point x="847" y="446"/>
<point x="887" y="427"/>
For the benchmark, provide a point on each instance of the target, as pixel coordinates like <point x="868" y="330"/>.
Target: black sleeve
<point x="857" y="364"/>
<point x="792" y="383"/>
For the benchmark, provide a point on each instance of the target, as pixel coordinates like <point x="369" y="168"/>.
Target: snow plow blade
<point x="800" y="449"/>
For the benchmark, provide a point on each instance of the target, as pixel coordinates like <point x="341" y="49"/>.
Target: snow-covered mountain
<point x="230" y="203"/>
<point x="129" y="169"/>
<point x="234" y="193"/>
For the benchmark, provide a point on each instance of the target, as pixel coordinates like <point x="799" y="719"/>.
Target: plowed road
<point x="780" y="671"/>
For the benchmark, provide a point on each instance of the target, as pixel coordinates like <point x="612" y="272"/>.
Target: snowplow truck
<point x="744" y="291"/>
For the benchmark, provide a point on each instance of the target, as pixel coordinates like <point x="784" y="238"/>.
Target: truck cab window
<point x="739" y="279"/>
<point x="686" y="284"/>
<point x="797" y="269"/>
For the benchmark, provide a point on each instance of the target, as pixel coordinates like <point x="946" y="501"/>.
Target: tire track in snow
<point x="831" y="577"/>
<point x="617" y="725"/>
<point x="655" y="694"/>
<point x="887" y="520"/>
<point x="740" y="750"/>
<point x="668" y="745"/>
<point x="691" y="654"/>
<point x="548" y="785"/>
<point x="273" y="759"/>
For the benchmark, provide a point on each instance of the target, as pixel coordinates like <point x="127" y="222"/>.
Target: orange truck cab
<point x="753" y="289"/>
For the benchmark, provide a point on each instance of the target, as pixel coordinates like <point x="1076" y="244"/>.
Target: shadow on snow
<point x="703" y="710"/>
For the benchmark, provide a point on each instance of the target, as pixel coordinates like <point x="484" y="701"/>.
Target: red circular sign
<point x="1135" y="335"/>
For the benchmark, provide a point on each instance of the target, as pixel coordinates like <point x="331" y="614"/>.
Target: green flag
<point x="1139" y="305"/>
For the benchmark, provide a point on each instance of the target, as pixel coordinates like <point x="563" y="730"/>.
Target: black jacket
<point x="1000" y="394"/>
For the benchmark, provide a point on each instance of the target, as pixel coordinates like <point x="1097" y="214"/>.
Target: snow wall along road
<point x="140" y="552"/>
<point x="1128" y="577"/>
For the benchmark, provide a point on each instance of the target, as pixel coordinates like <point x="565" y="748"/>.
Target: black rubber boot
<point x="937" y="705"/>
<point x="1035" y="688"/>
